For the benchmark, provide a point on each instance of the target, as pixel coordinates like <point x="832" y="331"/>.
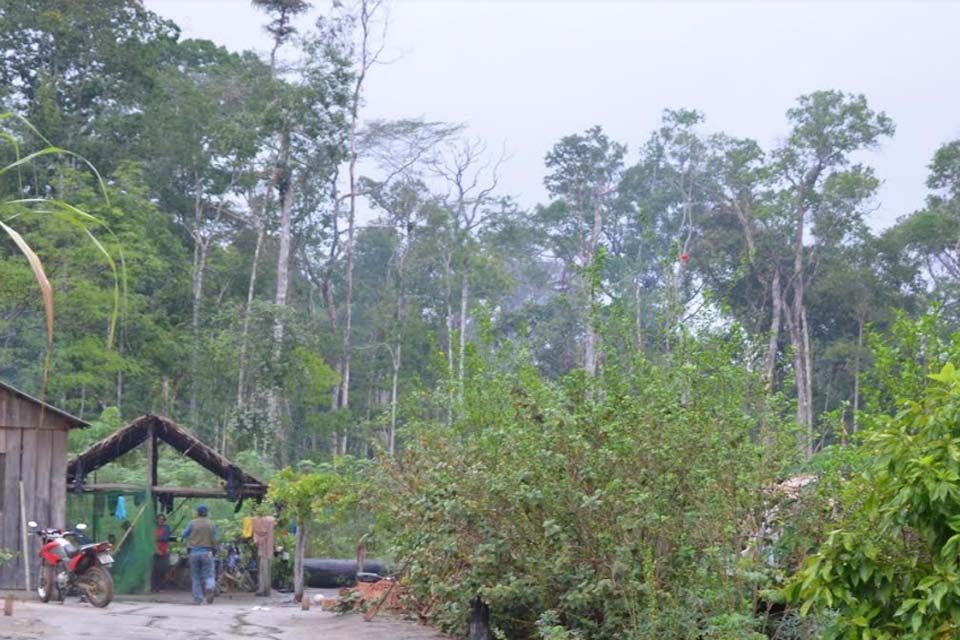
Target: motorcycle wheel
<point x="45" y="582"/>
<point x="97" y="585"/>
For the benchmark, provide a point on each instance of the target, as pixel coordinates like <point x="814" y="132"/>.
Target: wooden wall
<point x="36" y="454"/>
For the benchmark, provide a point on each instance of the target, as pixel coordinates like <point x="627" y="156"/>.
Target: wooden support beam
<point x="151" y="444"/>
<point x="248" y="491"/>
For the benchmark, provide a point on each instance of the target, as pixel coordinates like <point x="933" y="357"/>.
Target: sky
<point x="524" y="73"/>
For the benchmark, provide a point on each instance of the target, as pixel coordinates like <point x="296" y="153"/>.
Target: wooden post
<point x="261" y="533"/>
<point x="154" y="454"/>
<point x="151" y="483"/>
<point x="479" y="626"/>
<point x="263" y="570"/>
<point x="26" y="545"/>
<point x="8" y="605"/>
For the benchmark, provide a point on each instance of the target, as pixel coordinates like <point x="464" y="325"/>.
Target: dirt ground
<point x="174" y="617"/>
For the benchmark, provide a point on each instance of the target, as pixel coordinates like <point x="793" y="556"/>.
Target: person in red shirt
<point x="161" y="559"/>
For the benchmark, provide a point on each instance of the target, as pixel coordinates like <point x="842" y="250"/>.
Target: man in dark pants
<point x="201" y="538"/>
<point x="161" y="557"/>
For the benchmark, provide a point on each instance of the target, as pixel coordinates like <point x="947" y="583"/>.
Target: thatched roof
<point x="136" y="433"/>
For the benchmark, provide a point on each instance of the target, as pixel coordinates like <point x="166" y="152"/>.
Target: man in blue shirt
<point x="201" y="538"/>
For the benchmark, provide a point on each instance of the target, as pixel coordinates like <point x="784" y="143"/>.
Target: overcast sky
<point x="525" y="73"/>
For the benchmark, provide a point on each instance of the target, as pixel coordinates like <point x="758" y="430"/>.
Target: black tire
<point x="45" y="582"/>
<point x="97" y="585"/>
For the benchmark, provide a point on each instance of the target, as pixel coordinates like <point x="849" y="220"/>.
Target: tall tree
<point x="931" y="236"/>
<point x="585" y="173"/>
<point x="202" y="148"/>
<point x="821" y="200"/>
<point x="80" y="69"/>
<point x="471" y="180"/>
<point x="365" y="55"/>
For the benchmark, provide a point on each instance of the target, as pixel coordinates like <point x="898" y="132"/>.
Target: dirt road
<point x="236" y="619"/>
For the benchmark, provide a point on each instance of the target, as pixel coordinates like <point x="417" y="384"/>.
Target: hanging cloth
<point x="79" y="480"/>
<point x="263" y="535"/>
<point x="121" y="513"/>
<point x="247" y="532"/>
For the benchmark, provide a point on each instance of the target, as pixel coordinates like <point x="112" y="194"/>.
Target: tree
<point x="931" y="236"/>
<point x="13" y="205"/>
<point x="470" y="199"/>
<point x="79" y="70"/>
<point x="365" y="55"/>
<point x="203" y="140"/>
<point x="309" y="498"/>
<point x="585" y="172"/>
<point x="823" y="194"/>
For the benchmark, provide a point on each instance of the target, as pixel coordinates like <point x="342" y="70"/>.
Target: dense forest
<point x="579" y="408"/>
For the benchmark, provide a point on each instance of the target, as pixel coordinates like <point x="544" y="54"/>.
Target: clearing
<point x="173" y="617"/>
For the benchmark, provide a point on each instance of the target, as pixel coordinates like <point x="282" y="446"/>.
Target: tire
<point x="97" y="585"/>
<point x="45" y="582"/>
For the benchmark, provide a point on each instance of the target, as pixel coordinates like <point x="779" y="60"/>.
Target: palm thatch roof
<point x="236" y="482"/>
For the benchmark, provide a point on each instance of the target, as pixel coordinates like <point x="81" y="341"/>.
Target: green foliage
<point x="605" y="509"/>
<point x="884" y="567"/>
<point x="890" y="568"/>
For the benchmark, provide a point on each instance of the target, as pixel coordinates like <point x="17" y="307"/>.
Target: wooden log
<point x="8" y="606"/>
<point x="26" y="547"/>
<point x="263" y="572"/>
<point x="248" y="490"/>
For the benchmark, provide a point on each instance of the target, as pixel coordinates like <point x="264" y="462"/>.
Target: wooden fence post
<point x="479" y="627"/>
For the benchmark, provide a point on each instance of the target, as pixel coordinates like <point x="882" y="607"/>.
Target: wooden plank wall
<point x="43" y="472"/>
<point x="9" y="529"/>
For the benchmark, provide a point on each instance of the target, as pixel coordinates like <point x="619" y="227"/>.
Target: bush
<point x="607" y="508"/>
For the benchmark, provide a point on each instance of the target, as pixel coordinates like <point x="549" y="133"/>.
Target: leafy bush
<point x="889" y="567"/>
<point x="607" y="508"/>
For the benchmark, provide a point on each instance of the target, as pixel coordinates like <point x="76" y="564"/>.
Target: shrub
<point x="608" y="508"/>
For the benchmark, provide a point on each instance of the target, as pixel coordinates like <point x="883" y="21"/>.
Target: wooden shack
<point x="33" y="463"/>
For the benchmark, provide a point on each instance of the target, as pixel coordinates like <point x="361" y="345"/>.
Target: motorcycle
<point x="69" y="562"/>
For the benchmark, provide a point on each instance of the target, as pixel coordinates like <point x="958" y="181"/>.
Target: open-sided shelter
<point x="150" y="431"/>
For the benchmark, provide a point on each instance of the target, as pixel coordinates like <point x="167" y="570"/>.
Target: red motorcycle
<point x="69" y="562"/>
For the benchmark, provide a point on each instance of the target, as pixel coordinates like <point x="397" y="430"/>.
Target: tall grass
<point x="13" y="208"/>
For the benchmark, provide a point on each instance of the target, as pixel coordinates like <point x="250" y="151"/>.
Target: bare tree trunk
<point x="802" y="365"/>
<point x="776" y="313"/>
<point x="247" y="312"/>
<point x="589" y="252"/>
<point x="199" y="266"/>
<point x="590" y="348"/>
<point x="299" y="551"/>
<point x="367" y="58"/>
<point x="808" y="376"/>
<point x="638" y="315"/>
<point x="464" y="309"/>
<point x="285" y="188"/>
<point x="395" y="356"/>
<point x="448" y="294"/>
<point x="856" y="372"/>
<point x="348" y="300"/>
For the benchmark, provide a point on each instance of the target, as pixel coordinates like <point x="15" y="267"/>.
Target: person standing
<point x="161" y="557"/>
<point x="201" y="538"/>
